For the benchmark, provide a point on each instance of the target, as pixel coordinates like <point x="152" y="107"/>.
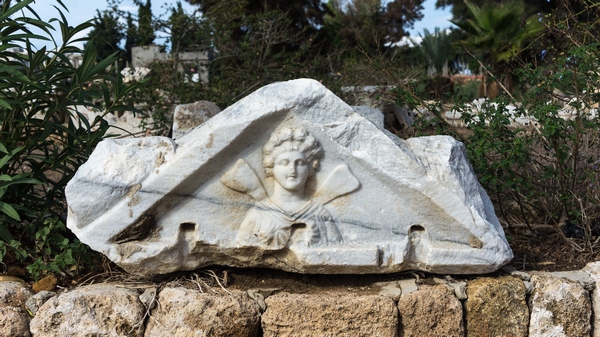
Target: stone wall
<point x="142" y="56"/>
<point x="511" y="303"/>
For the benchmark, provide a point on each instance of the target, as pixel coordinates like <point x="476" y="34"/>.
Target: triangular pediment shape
<point x="290" y="177"/>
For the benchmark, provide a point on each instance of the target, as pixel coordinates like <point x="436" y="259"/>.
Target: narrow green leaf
<point x="5" y="104"/>
<point x="15" y="9"/>
<point x="5" y="234"/>
<point x="9" y="210"/>
<point x="14" y="37"/>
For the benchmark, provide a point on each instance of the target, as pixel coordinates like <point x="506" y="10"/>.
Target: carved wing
<point x="242" y="178"/>
<point x="339" y="182"/>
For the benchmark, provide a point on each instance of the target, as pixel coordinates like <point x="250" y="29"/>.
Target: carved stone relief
<point x="288" y="216"/>
<point x="291" y="178"/>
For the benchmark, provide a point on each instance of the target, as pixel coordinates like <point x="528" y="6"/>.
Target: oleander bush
<point x="44" y="137"/>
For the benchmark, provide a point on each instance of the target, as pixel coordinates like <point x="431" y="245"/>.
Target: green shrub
<point x="468" y="89"/>
<point x="537" y="150"/>
<point x="538" y="157"/>
<point x="43" y="136"/>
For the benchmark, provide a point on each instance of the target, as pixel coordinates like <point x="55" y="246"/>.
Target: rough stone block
<point x="35" y="302"/>
<point x="329" y="315"/>
<point x="593" y="269"/>
<point x="559" y="307"/>
<point x="188" y="116"/>
<point x="95" y="310"/>
<point x="14" y="319"/>
<point x="184" y="312"/>
<point x="431" y="311"/>
<point x="14" y="294"/>
<point x="496" y="307"/>
<point x="13" y="322"/>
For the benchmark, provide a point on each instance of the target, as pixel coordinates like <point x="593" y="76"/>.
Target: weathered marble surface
<point x="359" y="200"/>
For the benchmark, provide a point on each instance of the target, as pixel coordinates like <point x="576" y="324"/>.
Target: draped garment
<point x="268" y="226"/>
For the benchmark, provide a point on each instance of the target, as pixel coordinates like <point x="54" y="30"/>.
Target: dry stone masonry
<point x="293" y="178"/>
<point x="593" y="269"/>
<point x="556" y="306"/>
<point x="431" y="311"/>
<point x="96" y="310"/>
<point x="14" y="319"/>
<point x="183" y="312"/>
<point x="559" y="307"/>
<point x="291" y="315"/>
<point x="497" y="306"/>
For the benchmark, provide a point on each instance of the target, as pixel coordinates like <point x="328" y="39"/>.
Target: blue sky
<point x="432" y="18"/>
<point x="78" y="12"/>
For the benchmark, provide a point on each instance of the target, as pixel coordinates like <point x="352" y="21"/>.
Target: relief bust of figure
<point x="291" y="156"/>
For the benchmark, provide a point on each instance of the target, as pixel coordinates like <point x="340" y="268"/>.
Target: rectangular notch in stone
<point x="187" y="227"/>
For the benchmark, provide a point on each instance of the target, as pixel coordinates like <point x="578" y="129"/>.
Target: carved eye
<point x="283" y="162"/>
<point x="300" y="162"/>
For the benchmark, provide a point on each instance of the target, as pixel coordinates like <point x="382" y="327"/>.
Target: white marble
<point x="293" y="178"/>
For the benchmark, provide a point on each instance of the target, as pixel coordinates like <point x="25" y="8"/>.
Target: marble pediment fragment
<point x="292" y="178"/>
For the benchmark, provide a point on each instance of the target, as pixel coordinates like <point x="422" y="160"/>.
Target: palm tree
<point x="500" y="33"/>
<point x="437" y="50"/>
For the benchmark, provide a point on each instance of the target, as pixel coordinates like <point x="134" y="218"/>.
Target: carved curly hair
<point x="292" y="139"/>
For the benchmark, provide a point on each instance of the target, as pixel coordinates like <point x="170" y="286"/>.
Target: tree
<point x="303" y="14"/>
<point x="460" y="10"/>
<point x="187" y="33"/>
<point x="145" y="31"/>
<point x="40" y="152"/>
<point x="369" y="24"/>
<point x="106" y="34"/>
<point x="499" y="33"/>
<point x="437" y="50"/>
<point x="254" y="43"/>
<point x="131" y="37"/>
<point x="576" y="12"/>
<point x="401" y="15"/>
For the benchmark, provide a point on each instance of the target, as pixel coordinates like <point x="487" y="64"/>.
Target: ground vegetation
<point x="44" y="136"/>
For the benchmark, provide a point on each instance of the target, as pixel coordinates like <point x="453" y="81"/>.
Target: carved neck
<point x="288" y="200"/>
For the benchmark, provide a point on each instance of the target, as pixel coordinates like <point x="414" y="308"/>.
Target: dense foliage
<point x="106" y="34"/>
<point x="536" y="149"/>
<point x="252" y="43"/>
<point x="145" y="29"/>
<point x="44" y="137"/>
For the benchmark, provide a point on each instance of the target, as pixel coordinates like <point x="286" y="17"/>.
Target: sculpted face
<point x="291" y="170"/>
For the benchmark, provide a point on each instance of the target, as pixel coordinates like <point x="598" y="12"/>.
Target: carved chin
<point x="292" y="184"/>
